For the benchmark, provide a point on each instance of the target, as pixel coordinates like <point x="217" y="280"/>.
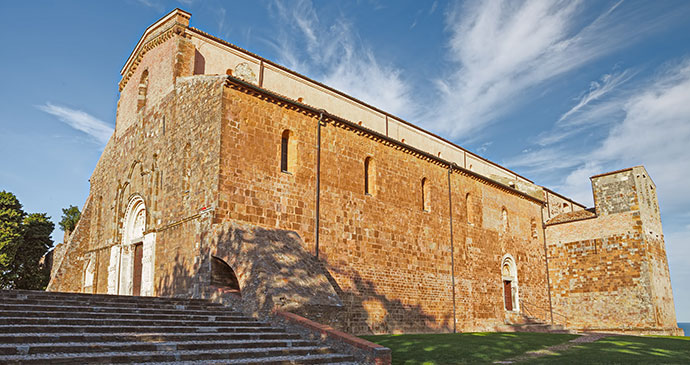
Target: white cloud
<point x="502" y="50"/>
<point x="99" y="130"/>
<point x="648" y="126"/>
<point x="336" y="56"/>
<point x="597" y="90"/>
<point x="154" y="4"/>
<point x="655" y="132"/>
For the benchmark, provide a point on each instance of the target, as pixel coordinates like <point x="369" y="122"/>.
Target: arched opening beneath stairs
<point x="223" y="276"/>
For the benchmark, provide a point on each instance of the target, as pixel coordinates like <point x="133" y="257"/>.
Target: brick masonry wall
<point x="205" y="158"/>
<point x="389" y="258"/>
<point x="611" y="272"/>
<point x="145" y="157"/>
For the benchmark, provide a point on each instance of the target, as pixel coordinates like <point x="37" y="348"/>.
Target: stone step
<point x="325" y="359"/>
<point x="127" y="322"/>
<point x="41" y="327"/>
<point x="113" y="309"/>
<point x="34" y="294"/>
<point x="18" y="338"/>
<point x="105" y="303"/>
<point x="24" y="328"/>
<point x="242" y="354"/>
<point x="82" y="347"/>
<point x="145" y="316"/>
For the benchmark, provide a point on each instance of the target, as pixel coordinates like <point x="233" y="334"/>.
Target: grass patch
<point x="625" y="350"/>
<point x="464" y="348"/>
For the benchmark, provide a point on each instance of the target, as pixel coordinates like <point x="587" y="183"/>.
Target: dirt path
<point x="555" y="350"/>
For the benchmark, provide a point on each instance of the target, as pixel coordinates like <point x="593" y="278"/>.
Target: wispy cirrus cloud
<point x="597" y="90"/>
<point x="154" y="4"/>
<point x="97" y="129"/>
<point x="647" y="125"/>
<point x="502" y="50"/>
<point x="336" y="55"/>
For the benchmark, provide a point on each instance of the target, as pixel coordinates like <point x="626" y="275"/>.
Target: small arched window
<point x="186" y="168"/>
<point x="143" y="87"/>
<point x="504" y="220"/>
<point x="369" y="176"/>
<point x="287" y="152"/>
<point x="468" y="207"/>
<point x="426" y="203"/>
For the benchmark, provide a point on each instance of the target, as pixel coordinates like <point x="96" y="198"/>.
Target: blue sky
<point x="555" y="90"/>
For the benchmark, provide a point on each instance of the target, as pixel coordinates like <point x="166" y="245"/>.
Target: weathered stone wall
<point x="179" y="131"/>
<point x="203" y="153"/>
<point x="610" y="272"/>
<point x="389" y="257"/>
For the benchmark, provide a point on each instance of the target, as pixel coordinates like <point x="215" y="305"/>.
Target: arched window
<point x="510" y="283"/>
<point x="287" y="152"/>
<point x="504" y="220"/>
<point x="222" y="275"/>
<point x="426" y="203"/>
<point x="186" y="168"/>
<point x="143" y="87"/>
<point x="369" y="176"/>
<point x="468" y="207"/>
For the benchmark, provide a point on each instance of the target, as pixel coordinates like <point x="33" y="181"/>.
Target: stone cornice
<point x="285" y="102"/>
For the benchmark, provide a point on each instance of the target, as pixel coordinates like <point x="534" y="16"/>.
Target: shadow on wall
<point x="178" y="281"/>
<point x="276" y="272"/>
<point x="369" y="312"/>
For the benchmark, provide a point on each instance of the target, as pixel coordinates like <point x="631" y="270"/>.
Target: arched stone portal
<point x="131" y="261"/>
<point x="510" y="283"/>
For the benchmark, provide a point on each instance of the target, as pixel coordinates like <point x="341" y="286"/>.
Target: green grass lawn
<point x="472" y="348"/>
<point x="464" y="348"/>
<point x="625" y="350"/>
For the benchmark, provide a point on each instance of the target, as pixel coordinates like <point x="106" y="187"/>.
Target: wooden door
<point x="507" y="291"/>
<point x="136" y="280"/>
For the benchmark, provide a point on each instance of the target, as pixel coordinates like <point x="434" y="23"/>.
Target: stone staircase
<point x="48" y="328"/>
<point x="531" y="324"/>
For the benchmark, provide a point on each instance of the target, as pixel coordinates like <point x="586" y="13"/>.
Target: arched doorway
<point x="510" y="283"/>
<point x="131" y="261"/>
<point x="223" y="276"/>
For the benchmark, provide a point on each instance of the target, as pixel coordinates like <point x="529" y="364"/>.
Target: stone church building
<point x="233" y="178"/>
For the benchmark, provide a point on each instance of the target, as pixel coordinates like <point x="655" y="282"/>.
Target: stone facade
<point x="370" y="225"/>
<point x="609" y="270"/>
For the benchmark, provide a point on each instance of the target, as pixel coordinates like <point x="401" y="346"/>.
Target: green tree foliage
<point x="70" y="218"/>
<point x="24" y="239"/>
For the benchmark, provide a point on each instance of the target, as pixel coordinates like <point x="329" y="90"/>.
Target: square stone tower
<point x="608" y="268"/>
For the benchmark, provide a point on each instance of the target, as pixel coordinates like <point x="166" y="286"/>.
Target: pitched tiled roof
<point x="571" y="216"/>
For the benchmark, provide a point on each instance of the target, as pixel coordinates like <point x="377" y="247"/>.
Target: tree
<point x="24" y="239"/>
<point x="70" y="218"/>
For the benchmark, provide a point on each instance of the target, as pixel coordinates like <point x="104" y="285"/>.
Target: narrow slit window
<point x="287" y="152"/>
<point x="468" y="209"/>
<point x="369" y="176"/>
<point x="143" y="87"/>
<point x="426" y="204"/>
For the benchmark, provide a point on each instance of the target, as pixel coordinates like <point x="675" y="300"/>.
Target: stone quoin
<point x="230" y="177"/>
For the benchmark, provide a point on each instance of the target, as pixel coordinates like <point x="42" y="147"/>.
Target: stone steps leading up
<point x="81" y="308"/>
<point x="219" y="316"/>
<point x="23" y="338"/>
<point x="54" y="328"/>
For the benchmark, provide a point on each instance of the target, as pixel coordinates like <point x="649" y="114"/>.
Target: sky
<point x="557" y="91"/>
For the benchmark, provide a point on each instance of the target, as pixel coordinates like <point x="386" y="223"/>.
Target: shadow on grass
<point x="464" y="348"/>
<point x="625" y="350"/>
